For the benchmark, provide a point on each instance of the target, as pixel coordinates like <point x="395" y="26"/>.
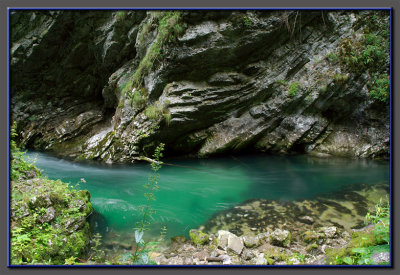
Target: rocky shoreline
<point x="267" y="232"/>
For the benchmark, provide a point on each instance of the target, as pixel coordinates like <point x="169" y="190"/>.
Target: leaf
<point x="361" y="250"/>
<point x="138" y="236"/>
<point x="379" y="248"/>
<point x="348" y="260"/>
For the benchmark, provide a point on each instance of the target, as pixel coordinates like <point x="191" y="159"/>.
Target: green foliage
<point x="153" y="111"/>
<point x="339" y="78"/>
<point x="138" y="98"/>
<point x="169" y="28"/>
<point x="247" y="22"/>
<point x="96" y="253"/>
<point x="140" y="255"/>
<point x="70" y="261"/>
<point x="332" y="57"/>
<point x="380" y="88"/>
<point x="294" y="88"/>
<point x="167" y="116"/>
<point x="20" y="164"/>
<point x="370" y="53"/>
<point x="364" y="244"/>
<point x="381" y="220"/>
<point x="121" y="15"/>
<point x="35" y="240"/>
<point x="282" y="82"/>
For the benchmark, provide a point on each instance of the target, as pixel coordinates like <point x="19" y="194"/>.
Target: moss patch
<point x="48" y="218"/>
<point x="198" y="237"/>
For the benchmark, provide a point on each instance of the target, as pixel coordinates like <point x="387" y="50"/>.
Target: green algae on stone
<point x="198" y="237"/>
<point x="312" y="236"/>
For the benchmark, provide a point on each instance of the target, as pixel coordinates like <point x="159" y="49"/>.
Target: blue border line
<point x="197" y="266"/>
<point x="200" y="8"/>
<point x="8" y="141"/>
<point x="391" y="138"/>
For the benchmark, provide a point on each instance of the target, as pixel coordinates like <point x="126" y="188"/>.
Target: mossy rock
<point x="312" y="236"/>
<point x="358" y="240"/>
<point x="281" y="237"/>
<point x="49" y="222"/>
<point x="311" y="247"/>
<point x="270" y="261"/>
<point x="198" y="237"/>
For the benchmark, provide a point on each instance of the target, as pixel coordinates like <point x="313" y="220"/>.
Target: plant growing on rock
<point x="121" y="15"/>
<point x="153" y="111"/>
<point x="294" y="88"/>
<point x="369" y="53"/>
<point x="169" y="28"/>
<point x="380" y="88"/>
<point x="364" y="246"/>
<point x="138" y="98"/>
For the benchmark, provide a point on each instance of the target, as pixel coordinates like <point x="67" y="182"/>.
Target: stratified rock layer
<point x="231" y="81"/>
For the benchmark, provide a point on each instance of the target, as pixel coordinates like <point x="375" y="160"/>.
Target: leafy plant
<point x="169" y="28"/>
<point x="20" y="167"/>
<point x="369" y="53"/>
<point x="140" y="255"/>
<point x="370" y="243"/>
<point x="247" y="21"/>
<point x="294" y="88"/>
<point x="96" y="253"/>
<point x="380" y="89"/>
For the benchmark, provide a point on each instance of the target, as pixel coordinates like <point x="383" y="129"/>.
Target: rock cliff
<point x="111" y="85"/>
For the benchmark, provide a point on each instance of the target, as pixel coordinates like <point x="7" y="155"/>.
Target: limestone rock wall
<point x="223" y="82"/>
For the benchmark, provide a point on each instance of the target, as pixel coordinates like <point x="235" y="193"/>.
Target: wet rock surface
<point x="343" y="209"/>
<point x="224" y="84"/>
<point x="233" y="243"/>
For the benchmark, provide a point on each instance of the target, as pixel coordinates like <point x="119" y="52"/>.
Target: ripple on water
<point x="197" y="190"/>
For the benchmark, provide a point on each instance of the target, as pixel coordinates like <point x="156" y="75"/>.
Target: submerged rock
<point x="331" y="212"/>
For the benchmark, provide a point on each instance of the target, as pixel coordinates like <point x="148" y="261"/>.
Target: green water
<point x="190" y="195"/>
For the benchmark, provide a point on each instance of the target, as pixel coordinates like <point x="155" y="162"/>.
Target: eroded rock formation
<point x="220" y="81"/>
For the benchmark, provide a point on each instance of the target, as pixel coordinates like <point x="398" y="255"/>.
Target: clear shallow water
<point x="190" y="195"/>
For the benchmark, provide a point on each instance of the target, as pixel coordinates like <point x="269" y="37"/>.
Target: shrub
<point x="20" y="167"/>
<point x="368" y="53"/>
<point x="380" y="89"/>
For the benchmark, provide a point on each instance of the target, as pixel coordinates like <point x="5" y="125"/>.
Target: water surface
<point x="191" y="192"/>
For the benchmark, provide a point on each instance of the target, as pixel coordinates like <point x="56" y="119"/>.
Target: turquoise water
<point x="191" y="192"/>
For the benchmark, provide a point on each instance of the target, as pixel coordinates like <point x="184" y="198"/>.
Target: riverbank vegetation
<point x="48" y="217"/>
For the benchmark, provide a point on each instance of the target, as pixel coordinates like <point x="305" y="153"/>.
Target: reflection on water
<point x="190" y="195"/>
